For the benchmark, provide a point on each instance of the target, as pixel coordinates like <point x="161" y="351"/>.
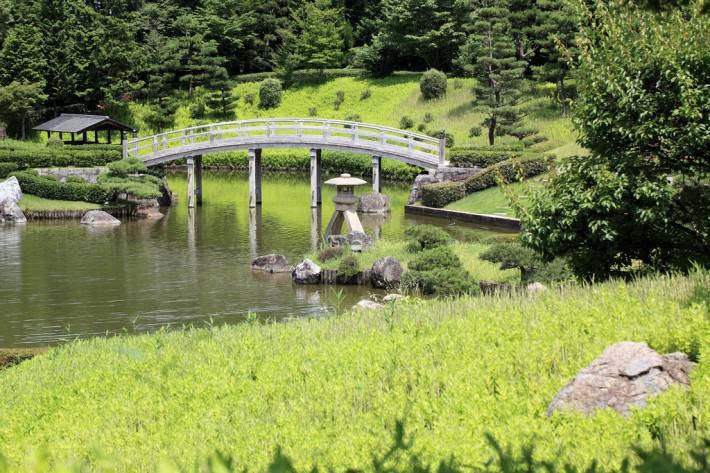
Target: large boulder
<point x="99" y="218"/>
<point x="386" y="273"/>
<point x="626" y="375"/>
<point x="374" y="203"/>
<point x="271" y="264"/>
<point x="367" y="304"/>
<point x="10" y="190"/>
<point x="11" y="212"/>
<point x="306" y="272"/>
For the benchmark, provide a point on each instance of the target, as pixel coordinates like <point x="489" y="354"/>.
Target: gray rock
<point x="393" y="298"/>
<point x="367" y="304"/>
<point x="374" y="203"/>
<point x="419" y="182"/>
<point x="536" y="287"/>
<point x="306" y="272"/>
<point x="271" y="264"/>
<point x="149" y="213"/>
<point x="626" y="375"/>
<point x="11" y="212"/>
<point x="10" y="190"/>
<point x="359" y="240"/>
<point x="386" y="273"/>
<point x="99" y="218"/>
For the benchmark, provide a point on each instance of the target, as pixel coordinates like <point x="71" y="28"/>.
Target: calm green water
<point x="61" y="280"/>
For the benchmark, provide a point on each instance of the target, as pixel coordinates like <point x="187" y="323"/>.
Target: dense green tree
<point x="22" y="57"/>
<point x="319" y="39"/>
<point x="489" y="55"/>
<point x="18" y="101"/>
<point x="642" y="111"/>
<point x="416" y="34"/>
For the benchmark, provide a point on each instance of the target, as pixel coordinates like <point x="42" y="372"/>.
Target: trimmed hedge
<point x="468" y="158"/>
<point x="302" y="76"/>
<point x="31" y="183"/>
<point x="509" y="171"/>
<point x="59" y="157"/>
<point x="6" y="169"/>
<point x="332" y="162"/>
<point x="443" y="193"/>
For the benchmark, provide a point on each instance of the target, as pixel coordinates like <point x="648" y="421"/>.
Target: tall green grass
<point x="331" y="391"/>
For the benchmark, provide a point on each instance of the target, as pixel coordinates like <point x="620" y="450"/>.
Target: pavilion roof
<point x="79" y="123"/>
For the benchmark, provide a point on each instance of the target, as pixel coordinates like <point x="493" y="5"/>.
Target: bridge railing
<point x="417" y="146"/>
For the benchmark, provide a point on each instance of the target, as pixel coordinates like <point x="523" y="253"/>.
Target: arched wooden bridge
<point x="314" y="134"/>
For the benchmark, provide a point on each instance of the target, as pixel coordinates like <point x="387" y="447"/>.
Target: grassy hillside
<point x="391" y="98"/>
<point x="330" y="391"/>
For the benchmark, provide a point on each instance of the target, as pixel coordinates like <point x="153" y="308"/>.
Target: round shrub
<point x="339" y="99"/>
<point x="312" y="112"/>
<point x="440" y="282"/>
<point x="249" y="99"/>
<point x="433" y="84"/>
<point x="406" y="122"/>
<point x="421" y="128"/>
<point x="436" y="258"/>
<point x="475" y="131"/>
<point x="366" y="94"/>
<point x="348" y="270"/>
<point x="330" y="253"/>
<point x="425" y="237"/>
<point x="270" y="92"/>
<point x="6" y="169"/>
<point x="428" y="117"/>
<point x="353" y="117"/>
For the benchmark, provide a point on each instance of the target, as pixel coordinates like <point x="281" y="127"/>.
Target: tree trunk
<point x="492" y="131"/>
<point x="23" y="126"/>
<point x="562" y="94"/>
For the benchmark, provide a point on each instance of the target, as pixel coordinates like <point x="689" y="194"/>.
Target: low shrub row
<point x="6" y="169"/>
<point x="441" y="194"/>
<point x="60" y="157"/>
<point x="332" y="162"/>
<point x="483" y="157"/>
<point x="48" y="188"/>
<point x="302" y="76"/>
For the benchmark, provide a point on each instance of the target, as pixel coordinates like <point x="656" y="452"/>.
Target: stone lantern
<point x="346" y="211"/>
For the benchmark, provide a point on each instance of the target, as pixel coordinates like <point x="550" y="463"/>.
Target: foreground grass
<point x="330" y="391"/>
<point x="468" y="253"/>
<point x="34" y="203"/>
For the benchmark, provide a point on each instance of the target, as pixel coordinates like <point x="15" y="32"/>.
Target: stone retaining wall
<point x="447" y="174"/>
<point x="469" y="217"/>
<point x="90" y="175"/>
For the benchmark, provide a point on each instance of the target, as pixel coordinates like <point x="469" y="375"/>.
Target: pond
<point x="60" y="280"/>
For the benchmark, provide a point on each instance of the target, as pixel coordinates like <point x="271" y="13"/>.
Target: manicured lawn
<point x="495" y="200"/>
<point x="31" y="202"/>
<point x="329" y="391"/>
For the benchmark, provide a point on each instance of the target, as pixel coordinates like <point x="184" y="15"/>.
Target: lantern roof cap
<point x="345" y="180"/>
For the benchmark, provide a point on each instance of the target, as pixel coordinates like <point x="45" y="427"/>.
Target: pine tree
<point x="320" y="41"/>
<point x="22" y="57"/>
<point x="489" y="55"/>
<point x="555" y="37"/>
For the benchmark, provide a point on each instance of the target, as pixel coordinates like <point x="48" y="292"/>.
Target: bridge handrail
<point x="426" y="147"/>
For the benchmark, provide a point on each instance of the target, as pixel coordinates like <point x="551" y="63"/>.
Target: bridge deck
<point x="406" y="146"/>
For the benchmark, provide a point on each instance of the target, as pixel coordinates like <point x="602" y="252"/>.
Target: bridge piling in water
<point x="194" y="181"/>
<point x="316" y="178"/>
<point x="254" y="177"/>
<point x="376" y="180"/>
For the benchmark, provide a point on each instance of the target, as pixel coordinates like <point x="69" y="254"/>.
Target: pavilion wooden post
<point x="198" y="180"/>
<point x="254" y="177"/>
<point x="190" y="182"/>
<point x="376" y="173"/>
<point x="108" y="136"/>
<point x="96" y="136"/>
<point x="316" y="178"/>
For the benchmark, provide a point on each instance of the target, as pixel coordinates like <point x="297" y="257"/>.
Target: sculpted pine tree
<point x="489" y="55"/>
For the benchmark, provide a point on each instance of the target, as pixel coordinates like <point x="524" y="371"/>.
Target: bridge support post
<point x="376" y="179"/>
<point x="198" y="180"/>
<point x="254" y="177"/>
<point x="316" y="178"/>
<point x="191" y="182"/>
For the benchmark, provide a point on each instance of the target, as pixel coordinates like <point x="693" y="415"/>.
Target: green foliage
<point x="440" y="257"/>
<point x="339" y="99"/>
<point x="427" y="237"/>
<point x="531" y="266"/>
<point x="433" y="84"/>
<point x="348" y="270"/>
<point x="441" y="194"/>
<point x="40" y="156"/>
<point x="320" y="38"/>
<point x="126" y="166"/>
<point x="428" y="117"/>
<point x="312" y="112"/>
<point x="249" y="99"/>
<point x="481" y="157"/>
<point x="6" y="169"/>
<point x="405" y="123"/>
<point x="55" y="143"/>
<point x="440" y="282"/>
<point x="41" y="186"/>
<point x="270" y="92"/>
<point x="366" y="94"/>
<point x="19" y="100"/>
<point x="75" y="180"/>
<point x="508" y="171"/>
<point x="642" y="194"/>
<point x="475" y="131"/>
